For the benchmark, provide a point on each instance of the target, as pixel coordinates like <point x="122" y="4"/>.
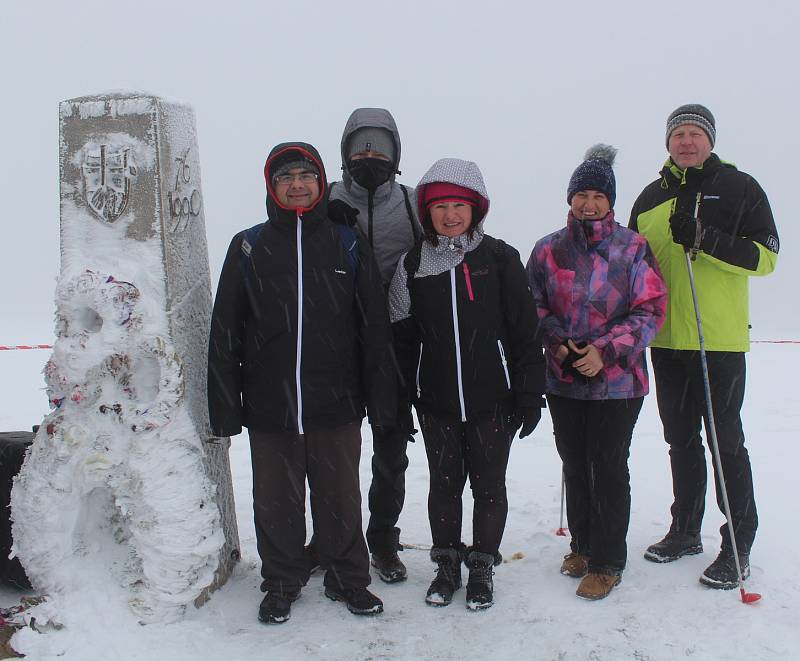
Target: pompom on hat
<point x="595" y="173"/>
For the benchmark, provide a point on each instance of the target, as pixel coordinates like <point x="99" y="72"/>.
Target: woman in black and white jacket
<point x="465" y="331"/>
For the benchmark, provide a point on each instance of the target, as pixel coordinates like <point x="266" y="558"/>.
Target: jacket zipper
<point x="419" y="367"/>
<point x="299" y="323"/>
<point x="457" y="343"/>
<point x="370" y="203"/>
<point x="468" y="280"/>
<point x="504" y="362"/>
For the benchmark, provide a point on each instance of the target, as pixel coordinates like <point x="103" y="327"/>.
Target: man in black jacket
<point x="300" y="341"/>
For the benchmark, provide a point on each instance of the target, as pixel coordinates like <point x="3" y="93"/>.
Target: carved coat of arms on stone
<point x="107" y="174"/>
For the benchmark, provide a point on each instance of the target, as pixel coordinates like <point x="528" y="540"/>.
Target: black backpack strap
<point x="347" y="235"/>
<point x="411" y="263"/>
<point x="499" y="251"/>
<point x="414" y="227"/>
<point x="248" y="243"/>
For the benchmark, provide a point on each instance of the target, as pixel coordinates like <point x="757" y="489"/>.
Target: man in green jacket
<point x="700" y="202"/>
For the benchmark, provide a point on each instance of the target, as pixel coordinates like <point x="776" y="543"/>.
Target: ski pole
<point x="561" y="532"/>
<point x="691" y="255"/>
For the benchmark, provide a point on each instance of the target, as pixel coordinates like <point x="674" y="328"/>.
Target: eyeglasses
<point x="305" y="177"/>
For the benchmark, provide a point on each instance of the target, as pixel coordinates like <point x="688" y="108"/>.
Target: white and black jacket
<point x="464" y="319"/>
<point x="300" y="337"/>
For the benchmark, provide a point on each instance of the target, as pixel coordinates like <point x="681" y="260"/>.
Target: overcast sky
<point x="521" y="88"/>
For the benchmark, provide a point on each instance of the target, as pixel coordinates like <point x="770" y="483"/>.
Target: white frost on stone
<point x="117" y="458"/>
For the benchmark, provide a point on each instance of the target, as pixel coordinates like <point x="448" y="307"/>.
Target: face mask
<point x="370" y="172"/>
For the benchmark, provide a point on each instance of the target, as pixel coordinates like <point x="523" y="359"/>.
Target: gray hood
<point x="374" y="118"/>
<point x="439" y="253"/>
<point x="454" y="171"/>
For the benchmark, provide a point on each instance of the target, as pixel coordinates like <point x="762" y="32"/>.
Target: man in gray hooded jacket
<point x="387" y="217"/>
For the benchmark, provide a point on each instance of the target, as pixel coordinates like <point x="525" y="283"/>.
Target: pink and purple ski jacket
<point x="599" y="283"/>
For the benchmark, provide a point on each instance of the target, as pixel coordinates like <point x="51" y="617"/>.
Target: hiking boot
<point x="675" y="545"/>
<point x="721" y="574"/>
<point x="276" y="607"/>
<point x="389" y="567"/>
<point x="359" y="601"/>
<point x="575" y="565"/>
<point x="448" y="577"/>
<point x="596" y="585"/>
<point x="479" y="585"/>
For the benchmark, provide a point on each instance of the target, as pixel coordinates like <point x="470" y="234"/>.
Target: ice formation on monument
<point x="117" y="457"/>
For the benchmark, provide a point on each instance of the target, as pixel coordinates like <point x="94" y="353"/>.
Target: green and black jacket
<point x="732" y="202"/>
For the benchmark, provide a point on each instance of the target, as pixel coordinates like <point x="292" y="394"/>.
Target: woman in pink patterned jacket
<point x="600" y="299"/>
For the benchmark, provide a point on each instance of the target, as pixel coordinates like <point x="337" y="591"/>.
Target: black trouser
<point x="281" y="463"/>
<point x="456" y="450"/>
<point x="682" y="406"/>
<point x="388" y="489"/>
<point x="593" y="438"/>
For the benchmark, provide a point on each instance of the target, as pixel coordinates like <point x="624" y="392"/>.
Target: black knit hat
<point x="291" y="160"/>
<point x="693" y="113"/>
<point x="595" y="173"/>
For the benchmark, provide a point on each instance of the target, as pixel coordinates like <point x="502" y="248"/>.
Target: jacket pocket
<point x="504" y="363"/>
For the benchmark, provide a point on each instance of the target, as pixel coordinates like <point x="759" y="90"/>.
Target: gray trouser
<point x="281" y="463"/>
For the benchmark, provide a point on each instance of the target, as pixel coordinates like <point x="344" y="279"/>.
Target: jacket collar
<point x="589" y="233"/>
<point x="672" y="173"/>
<point x="360" y="194"/>
<point x="460" y="244"/>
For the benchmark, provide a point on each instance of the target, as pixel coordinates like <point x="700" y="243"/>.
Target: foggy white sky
<point x="521" y="88"/>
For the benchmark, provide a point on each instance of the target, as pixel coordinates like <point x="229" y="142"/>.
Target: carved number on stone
<point x="184" y="204"/>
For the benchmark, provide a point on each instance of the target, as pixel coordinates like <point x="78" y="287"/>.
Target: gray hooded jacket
<point x="392" y="233"/>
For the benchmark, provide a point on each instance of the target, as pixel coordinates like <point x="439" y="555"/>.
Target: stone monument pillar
<point x="127" y="452"/>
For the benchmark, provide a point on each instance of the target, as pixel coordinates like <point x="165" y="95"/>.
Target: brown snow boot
<point x="596" y="586"/>
<point x="575" y="565"/>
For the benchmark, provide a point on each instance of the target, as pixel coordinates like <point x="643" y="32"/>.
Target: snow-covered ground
<point x="659" y="612"/>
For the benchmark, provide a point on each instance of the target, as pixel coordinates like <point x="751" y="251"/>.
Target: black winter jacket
<point x="497" y="363"/>
<point x="260" y="375"/>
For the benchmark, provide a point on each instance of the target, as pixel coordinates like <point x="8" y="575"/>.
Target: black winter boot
<point x="498" y="558"/>
<point x="480" y="587"/>
<point x="276" y="607"/>
<point x="389" y="567"/>
<point x="722" y="575"/>
<point x="675" y="545"/>
<point x="448" y="577"/>
<point x="359" y="601"/>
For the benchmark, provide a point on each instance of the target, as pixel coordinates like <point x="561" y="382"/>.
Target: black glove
<point x="342" y="213"/>
<point x="527" y="418"/>
<point x="686" y="230"/>
<point x="568" y="364"/>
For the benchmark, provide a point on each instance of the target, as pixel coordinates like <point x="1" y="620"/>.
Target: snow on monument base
<point x="124" y="482"/>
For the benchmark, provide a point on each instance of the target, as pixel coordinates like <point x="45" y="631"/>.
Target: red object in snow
<point x="749" y="597"/>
